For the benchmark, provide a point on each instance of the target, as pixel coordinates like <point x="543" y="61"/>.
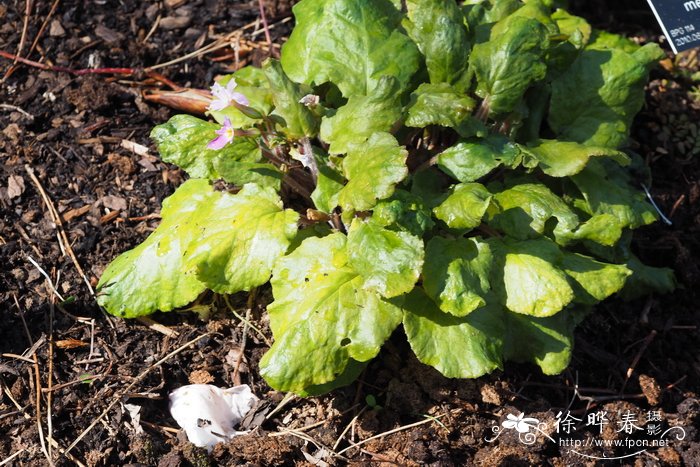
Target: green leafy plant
<point x="452" y="168"/>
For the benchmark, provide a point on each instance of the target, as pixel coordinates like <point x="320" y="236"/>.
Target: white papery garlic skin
<point x="208" y="413"/>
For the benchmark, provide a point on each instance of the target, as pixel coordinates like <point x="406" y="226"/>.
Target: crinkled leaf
<point x="565" y="158"/>
<point x="437" y="27"/>
<point x="403" y="211"/>
<point x="548" y="342"/>
<point x="362" y="116"/>
<point x="511" y="61"/>
<point x="646" y="279"/>
<point x="240" y="239"/>
<point x="465" y="206"/>
<point x="183" y="140"/>
<point x="523" y="211"/>
<point x="466" y="347"/>
<point x="603" y="192"/>
<point x="598" y="280"/>
<point x="389" y="261"/>
<point x="440" y="104"/>
<point x="531" y="282"/>
<point x="153" y="276"/>
<point x="595" y="100"/>
<point x="352" y="44"/>
<point x="300" y="121"/>
<point x="456" y="274"/>
<point x="322" y="317"/>
<point x="472" y="159"/>
<point x="373" y="170"/>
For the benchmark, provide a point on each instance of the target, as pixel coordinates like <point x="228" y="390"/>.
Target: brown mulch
<point x="63" y="362"/>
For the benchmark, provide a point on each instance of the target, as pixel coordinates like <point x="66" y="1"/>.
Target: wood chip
<point x="109" y="217"/>
<point x="73" y="213"/>
<point x="137" y="148"/>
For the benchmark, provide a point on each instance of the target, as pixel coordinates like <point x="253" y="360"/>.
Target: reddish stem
<point x="84" y="71"/>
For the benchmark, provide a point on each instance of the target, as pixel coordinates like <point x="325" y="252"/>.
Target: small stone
<point x="107" y="34"/>
<point x="175" y="22"/>
<point x="15" y="186"/>
<point x="56" y="30"/>
<point x="174" y="3"/>
<point x="114" y="203"/>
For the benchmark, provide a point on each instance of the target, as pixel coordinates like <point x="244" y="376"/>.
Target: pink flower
<point x="226" y="134"/>
<point x="224" y="96"/>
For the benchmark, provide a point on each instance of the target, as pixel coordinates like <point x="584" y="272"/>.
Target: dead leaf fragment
<point x="70" y="344"/>
<point x="200" y="377"/>
<point x="15" y="186"/>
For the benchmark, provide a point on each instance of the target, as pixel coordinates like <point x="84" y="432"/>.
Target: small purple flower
<point x="226" y="135"/>
<point x="224" y="96"/>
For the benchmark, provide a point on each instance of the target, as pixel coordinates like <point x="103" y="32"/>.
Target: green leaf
<point x="569" y="24"/>
<point x="509" y="63"/>
<point x="604" y="192"/>
<point x="456" y="274"/>
<point x="350" y="43"/>
<point x="523" y="211"/>
<point x="598" y="280"/>
<point x="299" y="120"/>
<point x="153" y="276"/>
<point x="489" y="11"/>
<point x="389" y="261"/>
<point x="430" y="185"/>
<point x="565" y="158"/>
<point x="595" y="100"/>
<point x="241" y="172"/>
<point x="322" y="318"/>
<point x="404" y="212"/>
<point x="373" y="170"/>
<point x="254" y="86"/>
<point x="363" y="116"/>
<point x="437" y="27"/>
<point x="604" y="229"/>
<point x="646" y="279"/>
<point x="472" y="159"/>
<point x="548" y="342"/>
<point x="466" y="347"/>
<point x="240" y="239"/>
<point x="328" y="184"/>
<point x="465" y="206"/>
<point x="183" y="140"/>
<point x="532" y="284"/>
<point x="440" y="104"/>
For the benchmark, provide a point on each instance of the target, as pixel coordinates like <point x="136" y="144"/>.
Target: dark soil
<point x="63" y="364"/>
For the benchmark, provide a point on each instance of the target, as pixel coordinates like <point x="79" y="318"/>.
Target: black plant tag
<point x="680" y="20"/>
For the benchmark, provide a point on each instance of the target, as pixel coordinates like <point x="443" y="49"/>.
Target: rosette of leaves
<point x="462" y="175"/>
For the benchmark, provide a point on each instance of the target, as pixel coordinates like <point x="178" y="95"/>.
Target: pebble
<point x="175" y="22"/>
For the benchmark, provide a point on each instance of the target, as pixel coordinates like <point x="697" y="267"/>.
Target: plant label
<point x="680" y="21"/>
